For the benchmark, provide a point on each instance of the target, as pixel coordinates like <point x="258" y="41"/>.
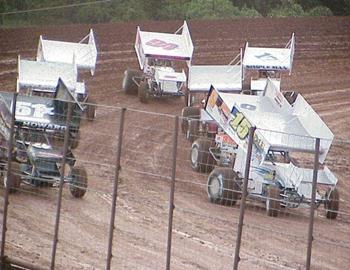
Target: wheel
<point x="128" y="85"/>
<point x="273" y="204"/>
<point x="91" y="109"/>
<point x="78" y="185"/>
<point x="15" y="178"/>
<point x="193" y="130"/>
<point x="143" y="92"/>
<point x="247" y="92"/>
<point x="223" y="186"/>
<point x="201" y="159"/>
<point x="332" y="203"/>
<point x="188" y="112"/>
<point x="186" y="92"/>
<point x="290" y="96"/>
<point x="74" y="141"/>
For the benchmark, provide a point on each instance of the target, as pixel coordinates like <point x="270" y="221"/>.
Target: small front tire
<point x="128" y="84"/>
<point x="143" y="92"/>
<point x="332" y="203"/>
<point x="187" y="114"/>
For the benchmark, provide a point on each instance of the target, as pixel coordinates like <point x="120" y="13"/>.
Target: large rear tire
<point x="128" y="84"/>
<point x="187" y="113"/>
<point x="273" y="204"/>
<point x="143" y="92"/>
<point x="332" y="204"/>
<point x="78" y="185"/>
<point x="201" y="158"/>
<point x="223" y="187"/>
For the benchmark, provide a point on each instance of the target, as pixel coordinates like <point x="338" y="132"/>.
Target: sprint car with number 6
<point x="40" y="124"/>
<point x="157" y="54"/>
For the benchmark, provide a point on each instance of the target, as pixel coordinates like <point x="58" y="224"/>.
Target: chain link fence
<point x="144" y="193"/>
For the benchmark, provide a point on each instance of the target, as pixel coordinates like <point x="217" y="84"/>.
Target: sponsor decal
<point x="33" y="116"/>
<point x="43" y="125"/>
<point x="266" y="57"/>
<point x="162" y="44"/>
<point x="170" y="77"/>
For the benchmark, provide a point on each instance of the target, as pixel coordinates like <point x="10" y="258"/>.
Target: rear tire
<point x="273" y="204"/>
<point x="223" y="187"/>
<point x="78" y="185"/>
<point x="332" y="204"/>
<point x="188" y="112"/>
<point x="143" y="92"/>
<point x="128" y="85"/>
<point x="201" y="158"/>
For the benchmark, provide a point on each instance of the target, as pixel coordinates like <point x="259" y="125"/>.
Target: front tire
<point x="187" y="114"/>
<point x="223" y="187"/>
<point x="128" y="84"/>
<point x="332" y="203"/>
<point x="78" y="184"/>
<point x="201" y="158"/>
<point x="143" y="92"/>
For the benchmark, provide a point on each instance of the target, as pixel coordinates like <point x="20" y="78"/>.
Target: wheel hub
<point x="124" y="81"/>
<point x="194" y="156"/>
<point x="215" y="187"/>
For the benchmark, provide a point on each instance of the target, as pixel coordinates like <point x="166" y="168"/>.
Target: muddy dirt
<point x="204" y="234"/>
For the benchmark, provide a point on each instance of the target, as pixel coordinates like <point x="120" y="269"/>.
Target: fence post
<point x="312" y="209"/>
<point x="60" y="190"/>
<point x="243" y="199"/>
<point x="172" y="193"/>
<point x="8" y="176"/>
<point x="115" y="190"/>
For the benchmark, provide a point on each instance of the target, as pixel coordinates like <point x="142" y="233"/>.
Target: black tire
<point x="74" y="140"/>
<point x="186" y="113"/>
<point x="128" y="85"/>
<point x="186" y="94"/>
<point x="223" y="187"/>
<point x="91" y="109"/>
<point x="143" y="92"/>
<point x="273" y="204"/>
<point x="78" y="184"/>
<point x="193" y="130"/>
<point x="15" y="178"/>
<point x="291" y="96"/>
<point x="332" y="204"/>
<point x="247" y="92"/>
<point x="200" y="157"/>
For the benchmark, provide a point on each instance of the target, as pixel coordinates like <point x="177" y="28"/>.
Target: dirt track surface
<point x="204" y="234"/>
